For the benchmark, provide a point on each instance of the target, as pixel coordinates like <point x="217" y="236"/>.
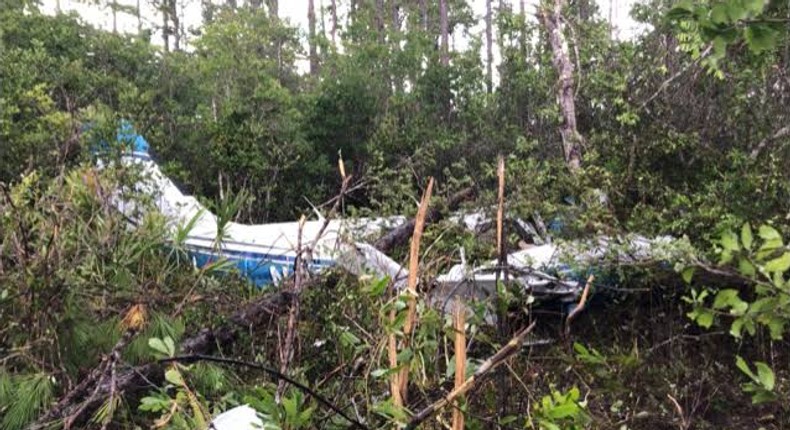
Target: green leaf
<point x="158" y="345"/>
<point x="767" y="232"/>
<point x="741" y="364"/>
<point x="763" y="397"/>
<point x="687" y="274"/>
<point x="747" y="239"/>
<point x="779" y="264"/>
<point x="725" y="298"/>
<point x="719" y="14"/>
<point x="705" y="319"/>
<point x="729" y="241"/>
<point x="760" y="37"/>
<point x="379" y="286"/>
<point x="563" y="411"/>
<point x="349" y="339"/>
<point x="765" y="375"/>
<point x="737" y="326"/>
<point x="754" y="6"/>
<point x="746" y="267"/>
<point x="776" y="326"/>
<point x="378" y="373"/>
<point x="171" y="347"/>
<point x="736" y="11"/>
<point x="174" y="377"/>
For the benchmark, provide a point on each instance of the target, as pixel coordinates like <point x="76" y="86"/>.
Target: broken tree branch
<point x="493" y="362"/>
<point x="402" y="233"/>
<point x="579" y="307"/>
<point x="414" y="266"/>
<point x="459" y="320"/>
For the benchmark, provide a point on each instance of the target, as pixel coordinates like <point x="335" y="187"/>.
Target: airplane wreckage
<point x="267" y="253"/>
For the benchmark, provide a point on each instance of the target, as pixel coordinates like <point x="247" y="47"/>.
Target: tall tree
<point x="489" y="50"/>
<point x="572" y="140"/>
<point x="312" y="42"/>
<point x="444" y="31"/>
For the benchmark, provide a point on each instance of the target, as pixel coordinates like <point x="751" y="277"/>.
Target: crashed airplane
<point x="267" y="253"/>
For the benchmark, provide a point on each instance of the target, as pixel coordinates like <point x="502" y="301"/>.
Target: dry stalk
<point x="392" y="352"/>
<point x="459" y="321"/>
<point x="411" y="286"/>
<point x="580" y="306"/>
<point x="287" y="347"/>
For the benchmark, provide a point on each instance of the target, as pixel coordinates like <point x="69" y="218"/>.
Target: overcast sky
<point x="296" y="12"/>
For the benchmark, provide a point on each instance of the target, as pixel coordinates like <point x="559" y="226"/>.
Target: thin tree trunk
<point x="208" y="11"/>
<point x="139" y="14"/>
<point x="165" y="29"/>
<point x="489" y="51"/>
<point x="572" y="140"/>
<point x="424" y="15"/>
<point x="311" y="42"/>
<point x="114" y="7"/>
<point x="611" y="14"/>
<point x="380" y="20"/>
<point x="334" y="21"/>
<point x="445" y="54"/>
<point x="176" y="20"/>
<point x="274" y="16"/>
<point x="397" y="80"/>
<point x="274" y="8"/>
<point x="323" y="17"/>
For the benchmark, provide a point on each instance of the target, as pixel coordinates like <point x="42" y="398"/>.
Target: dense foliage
<point x="686" y="133"/>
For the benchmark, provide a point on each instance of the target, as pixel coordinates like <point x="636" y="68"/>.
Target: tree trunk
<point x="113" y="5"/>
<point x="176" y="20"/>
<point x="397" y="80"/>
<point x="572" y="141"/>
<point x="424" y="15"/>
<point x="334" y="21"/>
<point x="489" y="51"/>
<point x="165" y="29"/>
<point x="445" y="54"/>
<point x="274" y="8"/>
<point x="207" y="12"/>
<point x="139" y="14"/>
<point x="312" y="41"/>
<point x="380" y="20"/>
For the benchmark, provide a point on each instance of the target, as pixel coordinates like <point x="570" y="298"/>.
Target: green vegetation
<point x="684" y="129"/>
